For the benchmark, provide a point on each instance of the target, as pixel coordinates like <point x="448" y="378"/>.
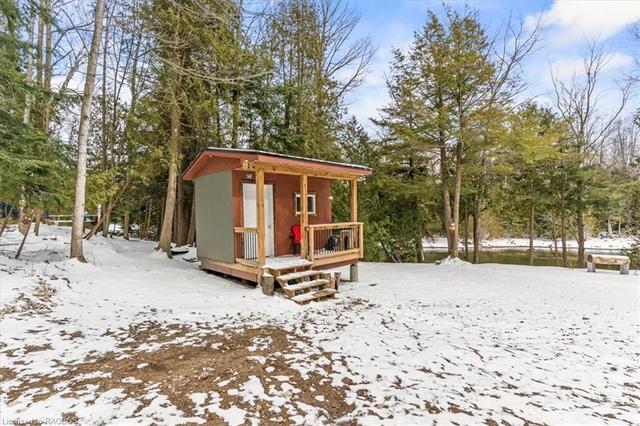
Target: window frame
<point x="312" y="195"/>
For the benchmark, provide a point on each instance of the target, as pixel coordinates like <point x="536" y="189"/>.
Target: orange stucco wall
<point x="284" y="189"/>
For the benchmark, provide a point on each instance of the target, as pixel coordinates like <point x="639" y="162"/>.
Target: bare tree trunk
<point x="531" y="226"/>
<point x="167" y="221"/>
<point x="191" y="236"/>
<point x="159" y="218"/>
<point x="476" y="229"/>
<point x="563" y="235"/>
<point x="29" y="74"/>
<point x="36" y="226"/>
<point x="181" y="219"/>
<point x="446" y="200"/>
<point x="24" y="238"/>
<point x="125" y="225"/>
<point x="147" y="222"/>
<point x="174" y="223"/>
<point x="77" y="228"/>
<point x="107" y="219"/>
<point x="104" y="140"/>
<point x="40" y="43"/>
<point x="22" y="206"/>
<point x="580" y="229"/>
<point x="95" y="228"/>
<point x="456" y="201"/>
<point x="235" y="117"/>
<point x="419" y="249"/>
<point x="466" y="231"/>
<point x="48" y="59"/>
<point x="554" y="233"/>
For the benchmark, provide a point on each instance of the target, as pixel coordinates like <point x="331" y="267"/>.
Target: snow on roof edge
<point x="293" y="157"/>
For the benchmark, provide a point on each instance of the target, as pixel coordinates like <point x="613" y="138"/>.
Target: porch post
<point x="354" y="200"/>
<point x="304" y="213"/>
<point x="260" y="219"/>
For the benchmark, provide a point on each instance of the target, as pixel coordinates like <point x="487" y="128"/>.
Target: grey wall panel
<point x="214" y="219"/>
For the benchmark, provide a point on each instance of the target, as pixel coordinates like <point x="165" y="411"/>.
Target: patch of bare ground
<point x="155" y="360"/>
<point x="6" y="374"/>
<point x="38" y="301"/>
<point x="36" y="348"/>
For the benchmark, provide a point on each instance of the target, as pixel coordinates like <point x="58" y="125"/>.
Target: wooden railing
<point x="334" y="240"/>
<point x="246" y="245"/>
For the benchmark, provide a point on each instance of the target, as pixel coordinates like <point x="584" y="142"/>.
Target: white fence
<point x="67" y="219"/>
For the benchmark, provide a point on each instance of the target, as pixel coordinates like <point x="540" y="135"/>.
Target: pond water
<point x="518" y="257"/>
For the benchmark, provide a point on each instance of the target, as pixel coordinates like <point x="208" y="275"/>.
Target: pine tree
<point x="531" y="147"/>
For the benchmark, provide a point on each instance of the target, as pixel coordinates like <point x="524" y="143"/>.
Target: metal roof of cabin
<point x="211" y="153"/>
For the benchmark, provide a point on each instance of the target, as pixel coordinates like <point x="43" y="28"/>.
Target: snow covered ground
<point x="135" y="338"/>
<point x="600" y="243"/>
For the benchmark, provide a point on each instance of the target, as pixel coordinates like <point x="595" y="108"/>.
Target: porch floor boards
<point x="286" y="262"/>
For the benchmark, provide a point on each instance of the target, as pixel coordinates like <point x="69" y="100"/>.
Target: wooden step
<point x="286" y="263"/>
<point x="308" y="297"/>
<point x="297" y="275"/>
<point x="290" y="290"/>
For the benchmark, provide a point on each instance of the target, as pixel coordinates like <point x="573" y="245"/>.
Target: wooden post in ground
<point x="353" y="269"/>
<point x="624" y="268"/>
<point x="304" y="216"/>
<point x="260" y="220"/>
<point x="353" y="273"/>
<point x="268" y="284"/>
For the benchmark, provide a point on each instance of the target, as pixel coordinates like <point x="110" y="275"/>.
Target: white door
<point x="250" y="214"/>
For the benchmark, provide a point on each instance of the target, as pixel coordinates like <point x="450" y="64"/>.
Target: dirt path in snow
<point x="219" y="376"/>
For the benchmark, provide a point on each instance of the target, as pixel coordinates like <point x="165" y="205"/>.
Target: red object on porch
<point x="296" y="236"/>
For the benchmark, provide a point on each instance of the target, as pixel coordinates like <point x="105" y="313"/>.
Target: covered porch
<point x="322" y="244"/>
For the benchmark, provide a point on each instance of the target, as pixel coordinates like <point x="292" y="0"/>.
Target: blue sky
<point x="567" y="26"/>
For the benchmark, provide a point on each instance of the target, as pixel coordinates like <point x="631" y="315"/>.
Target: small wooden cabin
<point x="250" y="219"/>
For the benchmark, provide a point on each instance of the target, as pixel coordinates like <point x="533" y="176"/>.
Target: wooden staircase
<point x="305" y="286"/>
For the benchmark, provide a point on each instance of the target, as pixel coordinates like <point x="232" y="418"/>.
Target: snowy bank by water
<point x="600" y="243"/>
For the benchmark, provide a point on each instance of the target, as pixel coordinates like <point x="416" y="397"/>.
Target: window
<point x="311" y="203"/>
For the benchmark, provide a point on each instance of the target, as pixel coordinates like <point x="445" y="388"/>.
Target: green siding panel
<point x="214" y="217"/>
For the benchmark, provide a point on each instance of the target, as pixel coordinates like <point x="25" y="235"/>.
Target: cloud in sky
<point x="572" y="21"/>
<point x="567" y="67"/>
<point x="567" y="27"/>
